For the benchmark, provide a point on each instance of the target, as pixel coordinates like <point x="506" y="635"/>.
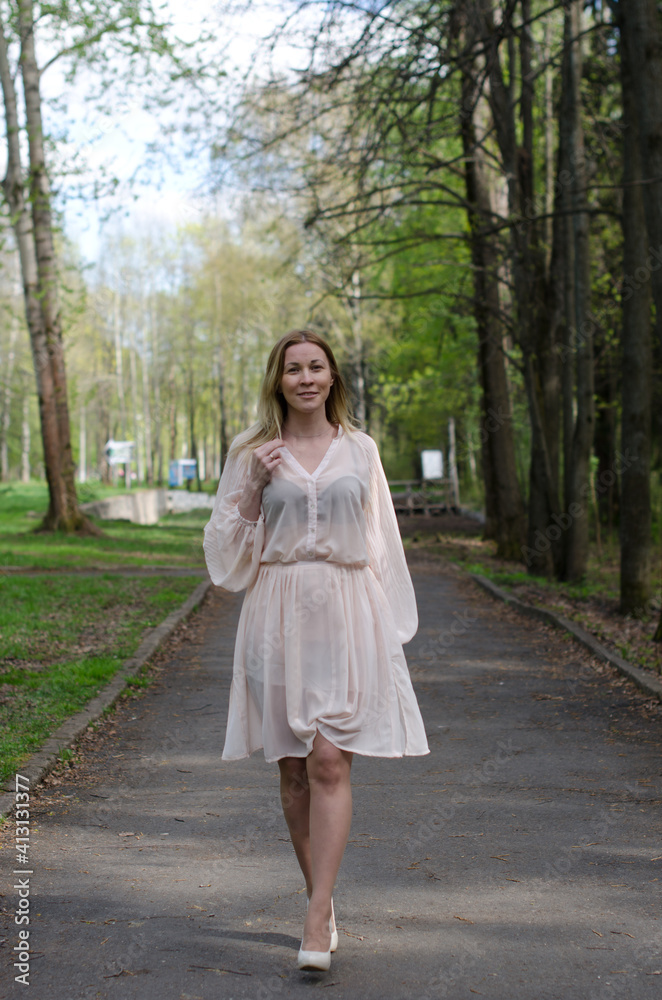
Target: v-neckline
<point x="325" y="458"/>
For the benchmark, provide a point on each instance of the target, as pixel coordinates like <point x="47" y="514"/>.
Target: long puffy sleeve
<point x="232" y="545"/>
<point x="385" y="549"/>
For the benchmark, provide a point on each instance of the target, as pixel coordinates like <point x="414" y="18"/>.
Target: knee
<point x="327" y="767"/>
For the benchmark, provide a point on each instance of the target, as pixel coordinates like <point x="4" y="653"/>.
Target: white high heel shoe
<point x="332" y="926"/>
<point x="319" y="960"/>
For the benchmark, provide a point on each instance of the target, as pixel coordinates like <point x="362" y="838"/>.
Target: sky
<point x="173" y="195"/>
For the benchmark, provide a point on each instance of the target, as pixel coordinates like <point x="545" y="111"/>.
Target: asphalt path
<point x="519" y="860"/>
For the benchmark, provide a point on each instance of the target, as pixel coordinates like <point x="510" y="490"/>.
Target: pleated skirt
<point x="316" y="651"/>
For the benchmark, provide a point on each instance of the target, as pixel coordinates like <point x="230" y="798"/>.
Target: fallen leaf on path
<point x="596" y="932"/>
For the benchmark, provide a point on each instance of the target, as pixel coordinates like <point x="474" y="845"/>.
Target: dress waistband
<point x="316" y="563"/>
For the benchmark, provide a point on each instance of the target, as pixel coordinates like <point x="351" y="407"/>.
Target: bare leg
<point x="328" y="771"/>
<point x="295" y="799"/>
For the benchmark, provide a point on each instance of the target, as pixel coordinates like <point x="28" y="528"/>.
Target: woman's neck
<point x="301" y="426"/>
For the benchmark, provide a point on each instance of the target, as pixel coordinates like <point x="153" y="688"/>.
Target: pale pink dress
<point x="329" y="603"/>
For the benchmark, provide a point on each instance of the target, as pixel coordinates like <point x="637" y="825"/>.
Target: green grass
<point x="175" y="541"/>
<point x="600" y="580"/>
<point x="61" y="640"/>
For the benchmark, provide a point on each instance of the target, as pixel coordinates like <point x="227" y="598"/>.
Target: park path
<point x="519" y="860"/>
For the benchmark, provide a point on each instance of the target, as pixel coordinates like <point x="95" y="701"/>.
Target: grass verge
<point x="175" y="541"/>
<point x="62" y="639"/>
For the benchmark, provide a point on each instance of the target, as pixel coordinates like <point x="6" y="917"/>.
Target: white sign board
<point x="119" y="452"/>
<point x="433" y="464"/>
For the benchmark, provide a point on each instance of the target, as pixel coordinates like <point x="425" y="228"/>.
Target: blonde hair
<point x="272" y="408"/>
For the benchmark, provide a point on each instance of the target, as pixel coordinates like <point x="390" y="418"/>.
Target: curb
<point x="640" y="677"/>
<point x="44" y="760"/>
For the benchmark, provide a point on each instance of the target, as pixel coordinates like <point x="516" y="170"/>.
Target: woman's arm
<point x="385" y="550"/>
<point x="234" y="535"/>
<point x="264" y="460"/>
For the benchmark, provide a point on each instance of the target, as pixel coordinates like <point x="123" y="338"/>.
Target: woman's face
<point x="307" y="377"/>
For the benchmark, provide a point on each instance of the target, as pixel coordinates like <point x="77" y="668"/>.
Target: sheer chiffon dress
<point x="329" y="603"/>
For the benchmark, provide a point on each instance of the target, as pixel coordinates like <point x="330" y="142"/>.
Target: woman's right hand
<point x="264" y="460"/>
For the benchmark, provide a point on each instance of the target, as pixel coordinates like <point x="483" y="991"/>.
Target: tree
<point x="637" y="356"/>
<point x="503" y="500"/>
<point x="32" y="228"/>
<point x="136" y="30"/>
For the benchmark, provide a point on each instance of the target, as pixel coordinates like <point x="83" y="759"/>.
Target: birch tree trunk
<point x="157" y="436"/>
<point x="82" y="444"/>
<point x="146" y="419"/>
<point x="5" y="414"/>
<point x="25" y="438"/>
<point x="119" y="367"/>
<point x="63" y="511"/>
<point x="136" y="410"/>
<point x="224" y="442"/>
<point x="356" y="353"/>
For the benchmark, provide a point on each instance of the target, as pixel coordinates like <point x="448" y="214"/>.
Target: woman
<point x="303" y="519"/>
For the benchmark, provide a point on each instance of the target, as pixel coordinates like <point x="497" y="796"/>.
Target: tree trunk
<point x="146" y="421"/>
<point x="224" y="441"/>
<point x="157" y="437"/>
<point x="25" y="439"/>
<point x="637" y="362"/>
<point x="503" y="497"/>
<point x="63" y="508"/>
<point x="356" y="353"/>
<point x="63" y="511"/>
<point x="528" y="280"/>
<point x="82" y="444"/>
<point x="5" y="415"/>
<point x="119" y="367"/>
<point x="607" y="401"/>
<point x="576" y="537"/>
<point x="136" y="410"/>
<point x="452" y="466"/>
